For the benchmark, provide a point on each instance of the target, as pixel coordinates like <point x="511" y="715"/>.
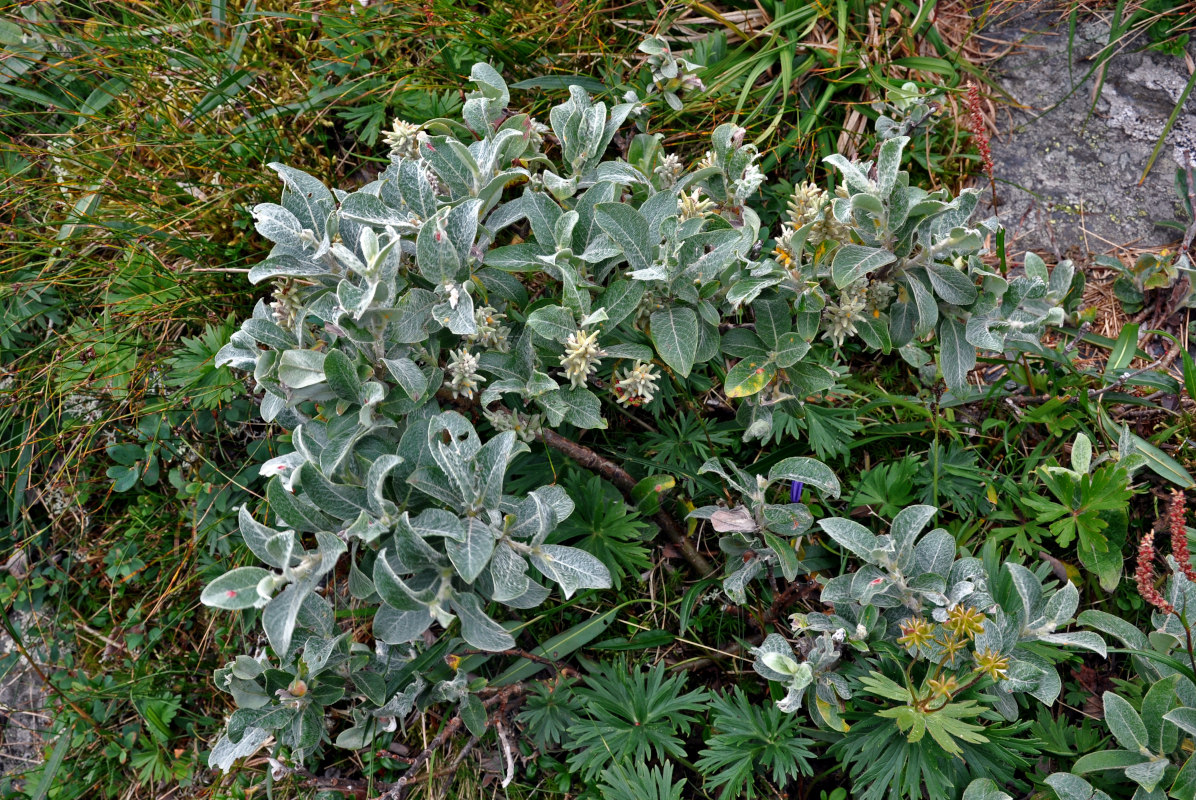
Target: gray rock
<point x="1068" y="180"/>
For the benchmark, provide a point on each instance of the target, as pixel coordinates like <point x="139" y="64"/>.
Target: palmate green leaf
<point x="752" y="738"/>
<point x="674" y="331"/>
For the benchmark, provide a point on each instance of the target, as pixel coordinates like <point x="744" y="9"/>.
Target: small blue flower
<point x="795" y="490"/>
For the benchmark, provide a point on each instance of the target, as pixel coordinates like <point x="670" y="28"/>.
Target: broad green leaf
<point x="853" y="261"/>
<point x="749" y="377"/>
<point x="957" y="357"/>
<point x="342" y="376"/>
<point x="301" y="368"/>
<point x="790" y="349"/>
<point x="471" y="556"/>
<point x="807" y="470"/>
<point x="478" y="629"/>
<point x="400" y="627"/>
<point x="1107" y="759"/>
<point x="628" y="229"/>
<point x="235" y="589"/>
<point x="674" y="331"/>
<point x="1124" y="722"/>
<point x="571" y="567"/>
<point x="851" y="535"/>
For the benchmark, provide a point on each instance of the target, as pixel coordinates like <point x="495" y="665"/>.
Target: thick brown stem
<point x="625" y="483"/>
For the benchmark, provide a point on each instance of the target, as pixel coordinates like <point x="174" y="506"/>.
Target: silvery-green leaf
<point x="1081" y="454"/>
<point x="638" y="352"/>
<point x="853" y="261"/>
<point x="674" y="331"/>
<point x="1148" y="774"/>
<point x="935" y="552"/>
<point x="1073" y="787"/>
<point x="271" y="546"/>
<point x="1124" y="723"/>
<point x="279" y="615"/>
<point x="628" y="230"/>
<point x="978" y="333"/>
<point x="1086" y="639"/>
<point x="1028" y="587"/>
<point x="235" y="589"/>
<point x="226" y="751"/>
<point x="1062" y="604"/>
<point x="296" y="512"/>
<point x="301" y="368"/>
<point x="984" y="789"/>
<point x="341" y="375"/>
<point x="733" y="520"/>
<point x="459" y="318"/>
<point x="1035" y="267"/>
<point x="807" y="470"/>
<point x="282" y="265"/>
<point x="438" y="522"/>
<point x="472" y="555"/>
<point x="781" y="663"/>
<point x="277" y="224"/>
<point x="394" y="591"/>
<point x="924" y="303"/>
<point x="570" y="567"/>
<point x="957" y="357"/>
<point x="305" y="197"/>
<point x="773" y="644"/>
<point x="508" y="573"/>
<point x="375" y="482"/>
<point x="478" y="629"/>
<point x="951" y="284"/>
<point x="452" y="162"/>
<point x="908" y="524"/>
<point x="577" y="406"/>
<point x="491" y="463"/>
<point x="435" y="254"/>
<point x="554" y="323"/>
<point x="888" y="163"/>
<point x="399" y="627"/>
<point x="543" y="214"/>
<point x="735" y="583"/>
<point x="408" y="376"/>
<point x="535" y="518"/>
<point x="338" y="501"/>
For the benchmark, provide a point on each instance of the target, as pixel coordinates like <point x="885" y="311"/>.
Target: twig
<point x="1163" y="361"/>
<point x="502" y="697"/>
<point x="625" y="483"/>
<point x="556" y="666"/>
